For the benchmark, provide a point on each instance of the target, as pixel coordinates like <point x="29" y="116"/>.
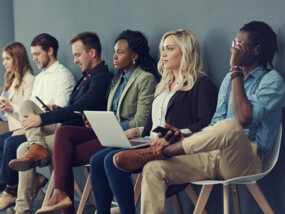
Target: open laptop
<point x="109" y="131"/>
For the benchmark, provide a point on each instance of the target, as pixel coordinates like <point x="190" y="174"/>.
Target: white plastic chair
<point x="249" y="180"/>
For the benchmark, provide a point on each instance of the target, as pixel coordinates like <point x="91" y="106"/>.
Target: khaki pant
<point x="222" y="151"/>
<point x="41" y="135"/>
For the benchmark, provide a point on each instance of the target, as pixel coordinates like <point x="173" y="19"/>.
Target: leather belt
<point x="259" y="153"/>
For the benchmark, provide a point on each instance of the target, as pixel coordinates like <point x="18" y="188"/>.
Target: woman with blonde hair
<point x="185" y="97"/>
<point x="18" y="86"/>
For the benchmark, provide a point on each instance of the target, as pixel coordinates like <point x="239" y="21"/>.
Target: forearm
<point x="242" y="108"/>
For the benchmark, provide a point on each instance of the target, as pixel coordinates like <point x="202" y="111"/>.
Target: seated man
<point x="242" y="131"/>
<point x="88" y="94"/>
<point x="53" y="85"/>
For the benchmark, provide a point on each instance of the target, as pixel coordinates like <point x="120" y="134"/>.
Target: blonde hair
<point x="190" y="64"/>
<point x="21" y="64"/>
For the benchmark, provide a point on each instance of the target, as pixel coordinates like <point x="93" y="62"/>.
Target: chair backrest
<point x="270" y="161"/>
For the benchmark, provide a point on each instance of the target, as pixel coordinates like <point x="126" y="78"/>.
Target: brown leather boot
<point x="36" y="156"/>
<point x="135" y="159"/>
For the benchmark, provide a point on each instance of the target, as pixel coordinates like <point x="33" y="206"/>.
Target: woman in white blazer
<point x="18" y="86"/>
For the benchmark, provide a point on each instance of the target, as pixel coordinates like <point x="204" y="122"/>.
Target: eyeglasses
<point x="235" y="42"/>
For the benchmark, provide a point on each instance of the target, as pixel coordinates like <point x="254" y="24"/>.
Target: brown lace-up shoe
<point x="132" y="160"/>
<point x="36" y="156"/>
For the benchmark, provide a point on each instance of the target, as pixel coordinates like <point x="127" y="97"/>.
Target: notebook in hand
<point x="109" y="131"/>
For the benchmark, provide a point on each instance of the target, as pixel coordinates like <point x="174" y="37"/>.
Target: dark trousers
<point x="9" y="145"/>
<point x="108" y="181"/>
<point x="73" y="146"/>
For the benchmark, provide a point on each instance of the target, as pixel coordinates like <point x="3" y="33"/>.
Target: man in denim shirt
<point x="242" y="131"/>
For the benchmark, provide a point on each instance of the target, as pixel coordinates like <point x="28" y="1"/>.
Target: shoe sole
<point x="26" y="165"/>
<point x="114" y="161"/>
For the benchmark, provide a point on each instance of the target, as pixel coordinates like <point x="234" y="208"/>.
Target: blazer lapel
<point x="179" y="96"/>
<point x="129" y="84"/>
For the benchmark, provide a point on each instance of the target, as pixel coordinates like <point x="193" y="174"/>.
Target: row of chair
<point x="207" y="186"/>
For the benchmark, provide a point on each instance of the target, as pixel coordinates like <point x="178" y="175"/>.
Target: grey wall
<point x="7" y="29"/>
<point x="215" y="24"/>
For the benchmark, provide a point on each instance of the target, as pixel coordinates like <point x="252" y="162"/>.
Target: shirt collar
<point x="127" y="76"/>
<point x="92" y="70"/>
<point x="257" y="72"/>
<point x="52" y="67"/>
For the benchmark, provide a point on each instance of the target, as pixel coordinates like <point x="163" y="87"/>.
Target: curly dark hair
<point x="138" y="44"/>
<point x="262" y="34"/>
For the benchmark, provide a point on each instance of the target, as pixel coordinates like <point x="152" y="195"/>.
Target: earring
<point x="134" y="62"/>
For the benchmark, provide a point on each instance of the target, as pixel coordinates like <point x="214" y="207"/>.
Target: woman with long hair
<point x="18" y="86"/>
<point x="185" y="98"/>
<point x="130" y="97"/>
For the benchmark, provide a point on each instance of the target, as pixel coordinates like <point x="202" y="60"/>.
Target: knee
<point x="154" y="170"/>
<point x="109" y="163"/>
<point x="7" y="144"/>
<point x="96" y="162"/>
<point x="27" y="104"/>
<point x="229" y="127"/>
<point x="22" y="150"/>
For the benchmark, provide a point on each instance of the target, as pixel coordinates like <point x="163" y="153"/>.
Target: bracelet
<point x="236" y="67"/>
<point x="236" y="74"/>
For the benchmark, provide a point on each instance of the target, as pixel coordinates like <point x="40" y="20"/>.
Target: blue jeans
<point x="107" y="180"/>
<point x="10" y="145"/>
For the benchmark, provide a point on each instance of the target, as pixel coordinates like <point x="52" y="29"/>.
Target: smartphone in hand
<point x="43" y="103"/>
<point x="160" y="129"/>
<point x="79" y="113"/>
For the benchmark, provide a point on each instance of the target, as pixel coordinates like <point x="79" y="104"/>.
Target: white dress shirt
<point x="53" y="85"/>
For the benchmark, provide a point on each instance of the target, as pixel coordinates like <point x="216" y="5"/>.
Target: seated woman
<point x="18" y="86"/>
<point x="130" y="97"/>
<point x="184" y="97"/>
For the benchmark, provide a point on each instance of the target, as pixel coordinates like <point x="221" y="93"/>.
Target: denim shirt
<point x="267" y="103"/>
<point x="123" y="82"/>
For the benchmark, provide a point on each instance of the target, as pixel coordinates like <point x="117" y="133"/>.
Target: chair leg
<point x="77" y="188"/>
<point x="49" y="190"/>
<point x="177" y="204"/>
<point x="85" y="195"/>
<point x="235" y="198"/>
<point x="259" y="197"/>
<point x="226" y="198"/>
<point x="203" y="198"/>
<point x="192" y="195"/>
<point x="41" y="193"/>
<point x="137" y="187"/>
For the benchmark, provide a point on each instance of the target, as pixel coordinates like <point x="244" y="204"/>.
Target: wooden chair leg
<point x="226" y="198"/>
<point x="85" y="195"/>
<point x="177" y="204"/>
<point x="41" y="192"/>
<point x="203" y="198"/>
<point x="77" y="188"/>
<point x="192" y="195"/>
<point x="49" y="190"/>
<point x="137" y="187"/>
<point x="234" y="188"/>
<point x="259" y="197"/>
